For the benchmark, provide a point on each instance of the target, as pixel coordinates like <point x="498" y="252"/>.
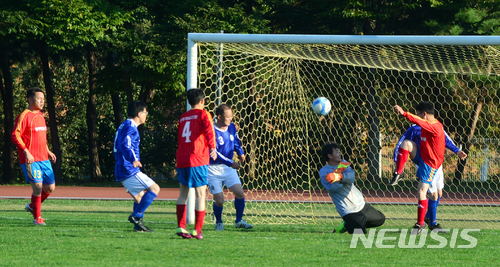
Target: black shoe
<point x="437" y="228"/>
<point x="143" y="229"/>
<point x="426" y="220"/>
<point x="396" y="177"/>
<point x="138" y="224"/>
<point x="133" y="219"/>
<point x="417" y="229"/>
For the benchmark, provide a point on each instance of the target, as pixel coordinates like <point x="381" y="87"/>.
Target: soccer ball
<point x="321" y="106"/>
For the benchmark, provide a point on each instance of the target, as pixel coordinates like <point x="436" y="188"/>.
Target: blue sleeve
<point x="330" y="187"/>
<point x="348" y="176"/>
<point x="222" y="159"/>
<point x="334" y="187"/>
<point x="237" y="145"/>
<point x="449" y="144"/>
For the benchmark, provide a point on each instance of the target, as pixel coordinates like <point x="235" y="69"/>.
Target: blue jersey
<point x="126" y="150"/>
<point x="413" y="134"/>
<point x="227" y="142"/>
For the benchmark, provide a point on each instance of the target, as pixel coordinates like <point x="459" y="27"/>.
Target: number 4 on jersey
<point x="186" y="132"/>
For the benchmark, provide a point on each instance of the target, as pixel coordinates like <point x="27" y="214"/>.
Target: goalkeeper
<point x="338" y="179"/>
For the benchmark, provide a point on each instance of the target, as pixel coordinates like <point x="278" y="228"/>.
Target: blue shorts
<point x="417" y="158"/>
<point x="193" y="176"/>
<point x="425" y="172"/>
<point x="38" y="172"/>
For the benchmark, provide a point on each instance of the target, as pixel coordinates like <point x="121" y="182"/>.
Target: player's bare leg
<point x="137" y="198"/>
<point x="239" y="205"/>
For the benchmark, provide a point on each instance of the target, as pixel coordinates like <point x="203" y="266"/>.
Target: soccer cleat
<point x="426" y="220"/>
<point x="396" y="177"/>
<point x="219" y="226"/>
<point x="437" y="229"/>
<point x="417" y="229"/>
<point x="138" y="223"/>
<point x="142" y="230"/>
<point x="340" y="229"/>
<point x="197" y="235"/>
<point x="28" y="208"/>
<point x="133" y="219"/>
<point x="39" y="221"/>
<point x="183" y="233"/>
<point x="243" y="224"/>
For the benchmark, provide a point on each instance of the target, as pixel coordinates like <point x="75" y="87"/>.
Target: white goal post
<point x="270" y="80"/>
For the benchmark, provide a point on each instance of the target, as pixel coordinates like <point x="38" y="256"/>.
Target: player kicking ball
<point x="223" y="170"/>
<point x="432" y="146"/>
<point x="409" y="146"/>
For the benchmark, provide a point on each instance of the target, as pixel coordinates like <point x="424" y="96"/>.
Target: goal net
<point x="271" y="80"/>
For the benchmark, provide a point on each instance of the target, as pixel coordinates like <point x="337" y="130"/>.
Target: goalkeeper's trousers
<point x="367" y="217"/>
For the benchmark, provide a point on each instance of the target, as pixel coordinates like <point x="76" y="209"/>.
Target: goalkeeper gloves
<point x="337" y="175"/>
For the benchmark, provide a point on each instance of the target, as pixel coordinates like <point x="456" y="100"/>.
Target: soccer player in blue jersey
<point x="409" y="144"/>
<point x="222" y="171"/>
<point x="128" y="161"/>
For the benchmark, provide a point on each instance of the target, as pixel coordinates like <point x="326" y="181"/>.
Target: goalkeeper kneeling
<point x="338" y="178"/>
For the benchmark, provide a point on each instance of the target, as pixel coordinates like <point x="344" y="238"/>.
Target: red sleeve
<point x="429" y="126"/>
<point x="18" y="130"/>
<point x="208" y="125"/>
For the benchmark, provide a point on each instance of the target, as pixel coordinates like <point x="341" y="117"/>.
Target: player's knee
<point x="219" y="202"/>
<point x="407" y="144"/>
<point x="239" y="195"/>
<point x="381" y="219"/>
<point x="155" y="189"/>
<point x="200" y="194"/>
<point x="49" y="189"/>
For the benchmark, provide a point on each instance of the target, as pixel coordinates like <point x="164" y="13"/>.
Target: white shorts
<point x="137" y="183"/>
<point x="220" y="175"/>
<point x="437" y="182"/>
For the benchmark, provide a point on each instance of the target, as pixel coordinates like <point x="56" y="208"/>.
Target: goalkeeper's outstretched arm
<point x="349" y="176"/>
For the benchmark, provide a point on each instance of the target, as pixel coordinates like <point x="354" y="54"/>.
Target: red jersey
<point x="432" y="140"/>
<point x="195" y="136"/>
<point x="30" y="131"/>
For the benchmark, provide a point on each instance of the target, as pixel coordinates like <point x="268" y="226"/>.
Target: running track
<point x="371" y="196"/>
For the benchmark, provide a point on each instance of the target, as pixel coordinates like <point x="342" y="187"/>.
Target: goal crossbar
<point x="344" y="39"/>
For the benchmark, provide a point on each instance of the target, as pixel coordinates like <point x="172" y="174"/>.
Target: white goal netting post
<point x="271" y="80"/>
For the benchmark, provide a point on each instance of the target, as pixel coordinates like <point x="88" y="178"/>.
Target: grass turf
<point x="97" y="233"/>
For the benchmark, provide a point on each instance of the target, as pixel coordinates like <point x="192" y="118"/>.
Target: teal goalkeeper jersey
<point x="346" y="197"/>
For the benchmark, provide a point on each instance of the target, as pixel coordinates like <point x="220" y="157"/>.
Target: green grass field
<point x="97" y="233"/>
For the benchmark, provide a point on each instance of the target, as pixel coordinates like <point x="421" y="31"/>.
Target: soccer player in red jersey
<point x="30" y="138"/>
<point x="432" y="146"/>
<point x="196" y="144"/>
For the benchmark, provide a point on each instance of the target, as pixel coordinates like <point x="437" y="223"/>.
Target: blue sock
<point x="135" y="206"/>
<point x="146" y="200"/>
<point x="218" y="213"/>
<point x="239" y="205"/>
<point x="431" y="212"/>
<point x="435" y="210"/>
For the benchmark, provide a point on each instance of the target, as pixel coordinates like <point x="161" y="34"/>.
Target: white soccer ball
<point x="321" y="106"/>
